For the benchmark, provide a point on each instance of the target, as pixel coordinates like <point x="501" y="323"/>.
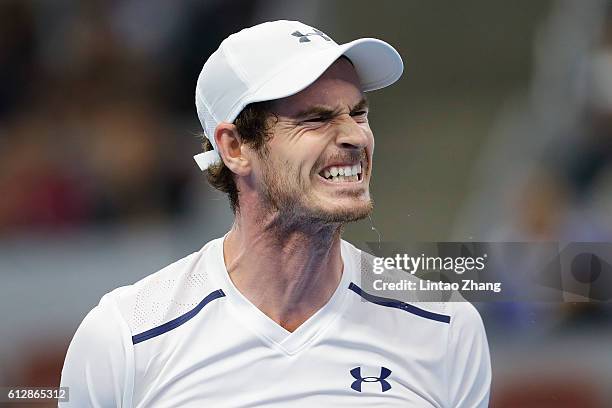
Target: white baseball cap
<point x="277" y="59"/>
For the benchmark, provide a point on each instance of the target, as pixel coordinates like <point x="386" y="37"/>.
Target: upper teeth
<point x="346" y="171"/>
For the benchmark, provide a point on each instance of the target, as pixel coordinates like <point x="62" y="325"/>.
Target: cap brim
<point x="377" y="64"/>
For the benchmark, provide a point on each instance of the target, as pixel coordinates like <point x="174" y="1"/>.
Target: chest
<point x="225" y="364"/>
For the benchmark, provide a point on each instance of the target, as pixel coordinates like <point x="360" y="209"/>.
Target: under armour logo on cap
<point x="304" y="37"/>
<point x="384" y="374"/>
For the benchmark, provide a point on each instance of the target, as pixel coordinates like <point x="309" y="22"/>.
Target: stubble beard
<point x="283" y="195"/>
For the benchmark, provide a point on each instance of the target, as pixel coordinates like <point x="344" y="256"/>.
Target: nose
<point x="350" y="135"/>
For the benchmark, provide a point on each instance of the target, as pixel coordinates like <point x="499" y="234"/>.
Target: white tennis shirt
<point x="186" y="337"/>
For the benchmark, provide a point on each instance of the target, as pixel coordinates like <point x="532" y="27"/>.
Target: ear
<point x="229" y="146"/>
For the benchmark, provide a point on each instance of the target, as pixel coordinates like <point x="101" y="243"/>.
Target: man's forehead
<point x="337" y="88"/>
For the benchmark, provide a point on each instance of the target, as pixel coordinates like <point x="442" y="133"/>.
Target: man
<point x="272" y="314"/>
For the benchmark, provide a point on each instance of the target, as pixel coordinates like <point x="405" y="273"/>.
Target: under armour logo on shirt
<point x="304" y="37"/>
<point x="384" y="373"/>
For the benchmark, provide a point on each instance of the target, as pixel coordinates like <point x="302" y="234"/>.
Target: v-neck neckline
<point x="266" y="328"/>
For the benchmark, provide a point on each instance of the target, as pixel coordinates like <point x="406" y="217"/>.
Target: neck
<point x="287" y="269"/>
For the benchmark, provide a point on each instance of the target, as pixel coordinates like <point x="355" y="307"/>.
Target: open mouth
<point x="342" y="173"/>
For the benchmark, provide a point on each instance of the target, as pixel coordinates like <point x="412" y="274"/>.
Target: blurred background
<point x="499" y="130"/>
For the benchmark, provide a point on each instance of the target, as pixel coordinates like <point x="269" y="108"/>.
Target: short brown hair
<point x="253" y="125"/>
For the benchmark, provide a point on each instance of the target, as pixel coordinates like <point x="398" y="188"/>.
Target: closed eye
<point x="319" y="119"/>
<point x="360" y="116"/>
<point x="316" y="119"/>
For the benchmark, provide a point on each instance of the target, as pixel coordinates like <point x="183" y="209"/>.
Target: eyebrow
<point x="325" y="111"/>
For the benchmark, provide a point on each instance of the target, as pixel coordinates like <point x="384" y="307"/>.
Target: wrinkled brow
<point x="323" y="110"/>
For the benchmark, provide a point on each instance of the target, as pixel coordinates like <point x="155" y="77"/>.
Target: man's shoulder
<point x="165" y="294"/>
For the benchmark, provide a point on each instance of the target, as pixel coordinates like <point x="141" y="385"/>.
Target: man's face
<point x="318" y="164"/>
